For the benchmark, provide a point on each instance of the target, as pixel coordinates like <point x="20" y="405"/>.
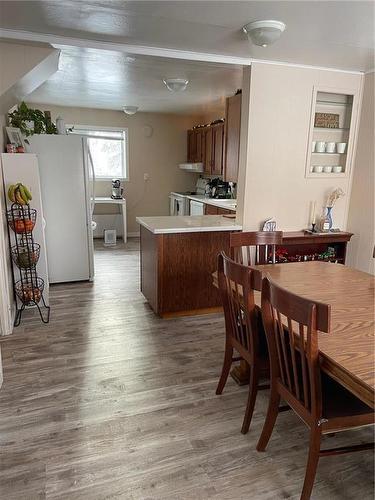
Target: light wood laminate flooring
<point x="110" y="402"/>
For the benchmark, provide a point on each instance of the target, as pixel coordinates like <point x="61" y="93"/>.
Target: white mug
<point x="320" y="147"/>
<point x="327" y="169"/>
<point x="313" y="144"/>
<point x="337" y="169"/>
<point x="318" y="169"/>
<point x="330" y="147"/>
<point x="341" y="146"/>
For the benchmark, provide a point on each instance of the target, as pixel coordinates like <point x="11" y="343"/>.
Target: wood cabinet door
<point x="207" y="156"/>
<point x="222" y="211"/>
<point x="218" y="144"/>
<point x="211" y="210"/>
<point x="191" y="146"/>
<point x="199" y="145"/>
<point x="232" y="137"/>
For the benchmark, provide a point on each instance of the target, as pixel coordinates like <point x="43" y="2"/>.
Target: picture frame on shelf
<point x="15" y="137"/>
<point x="326" y="120"/>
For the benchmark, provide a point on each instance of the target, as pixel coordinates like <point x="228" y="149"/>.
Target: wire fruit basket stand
<point x="25" y="255"/>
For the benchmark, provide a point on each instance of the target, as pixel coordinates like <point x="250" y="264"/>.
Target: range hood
<point x="192" y="167"/>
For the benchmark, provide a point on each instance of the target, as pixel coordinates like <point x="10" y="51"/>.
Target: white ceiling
<point x="106" y="79"/>
<point x="336" y="34"/>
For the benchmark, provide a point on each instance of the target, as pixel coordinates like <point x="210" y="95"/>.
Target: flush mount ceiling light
<point x="130" y="110"/>
<point x="264" y="33"/>
<point x="176" y="84"/>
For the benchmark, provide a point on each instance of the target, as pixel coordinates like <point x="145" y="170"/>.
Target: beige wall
<point x="361" y="219"/>
<point x="158" y="156"/>
<point x="23" y="68"/>
<point x="274" y="146"/>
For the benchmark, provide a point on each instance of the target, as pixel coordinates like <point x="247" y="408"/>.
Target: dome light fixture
<point x="130" y="110"/>
<point x="264" y="33"/>
<point x="176" y="84"/>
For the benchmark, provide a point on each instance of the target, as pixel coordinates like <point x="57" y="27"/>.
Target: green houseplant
<point x="23" y="115"/>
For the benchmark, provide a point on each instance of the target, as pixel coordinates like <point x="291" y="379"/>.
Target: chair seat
<point x="339" y="402"/>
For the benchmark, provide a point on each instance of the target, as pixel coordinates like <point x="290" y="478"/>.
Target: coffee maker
<point x="117" y="190"/>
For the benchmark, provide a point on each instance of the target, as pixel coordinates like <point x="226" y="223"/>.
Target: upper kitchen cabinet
<point x="332" y="133"/>
<point x="191" y="146"/>
<point x="218" y="149"/>
<point x="208" y="150"/>
<point x="196" y="145"/>
<point x="217" y="145"/>
<point x="232" y="137"/>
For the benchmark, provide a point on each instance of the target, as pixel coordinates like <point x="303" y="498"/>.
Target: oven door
<point x="176" y="206"/>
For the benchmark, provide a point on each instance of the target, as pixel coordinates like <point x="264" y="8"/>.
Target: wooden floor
<point x="110" y="402"/>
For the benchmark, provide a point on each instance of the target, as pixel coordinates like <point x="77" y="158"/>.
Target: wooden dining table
<point x="347" y="350"/>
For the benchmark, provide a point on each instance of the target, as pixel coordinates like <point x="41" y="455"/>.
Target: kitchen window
<point x="109" y="150"/>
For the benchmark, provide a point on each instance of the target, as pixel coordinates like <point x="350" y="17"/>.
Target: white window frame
<point x="125" y="145"/>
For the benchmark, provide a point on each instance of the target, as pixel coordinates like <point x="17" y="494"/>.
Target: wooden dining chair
<point x="236" y="285"/>
<point x="325" y="406"/>
<point x="255" y="247"/>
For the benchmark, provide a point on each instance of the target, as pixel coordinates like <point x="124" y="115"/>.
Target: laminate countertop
<point x="188" y="224"/>
<point x="228" y="203"/>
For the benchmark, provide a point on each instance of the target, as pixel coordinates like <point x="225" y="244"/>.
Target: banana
<point x="19" y="198"/>
<point x="27" y="192"/>
<point x="23" y="194"/>
<point x="11" y="194"/>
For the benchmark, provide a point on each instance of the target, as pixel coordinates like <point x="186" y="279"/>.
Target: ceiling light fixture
<point x="176" y="84"/>
<point x="130" y="110"/>
<point x="264" y="33"/>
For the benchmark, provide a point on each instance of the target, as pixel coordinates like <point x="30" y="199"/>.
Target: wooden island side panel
<point x="176" y="270"/>
<point x="149" y="267"/>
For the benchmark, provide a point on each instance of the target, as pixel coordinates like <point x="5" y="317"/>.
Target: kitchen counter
<point x="229" y="204"/>
<point x="188" y="224"/>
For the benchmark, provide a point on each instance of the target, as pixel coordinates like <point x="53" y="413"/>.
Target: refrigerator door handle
<point x="93" y="178"/>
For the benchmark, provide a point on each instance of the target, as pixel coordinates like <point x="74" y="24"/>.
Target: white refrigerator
<point x="66" y="180"/>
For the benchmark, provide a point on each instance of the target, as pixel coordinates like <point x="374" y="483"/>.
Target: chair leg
<point x="228" y="355"/>
<point x="312" y="463"/>
<point x="253" y="390"/>
<point x="272" y="412"/>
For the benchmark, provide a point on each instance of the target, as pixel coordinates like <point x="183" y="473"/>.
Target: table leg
<point x="124" y="226"/>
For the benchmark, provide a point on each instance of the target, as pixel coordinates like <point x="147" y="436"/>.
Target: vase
<point x="329" y="218"/>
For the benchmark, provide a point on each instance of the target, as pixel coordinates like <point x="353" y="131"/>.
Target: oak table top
<point x="347" y="351"/>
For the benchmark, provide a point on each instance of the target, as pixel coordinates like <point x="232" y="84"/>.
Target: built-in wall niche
<point x="331" y="134"/>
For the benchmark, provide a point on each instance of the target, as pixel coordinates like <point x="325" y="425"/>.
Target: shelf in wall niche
<point x="334" y="103"/>
<point x="339" y="110"/>
<point x="324" y="175"/>
<point x="332" y="154"/>
<point x="331" y="129"/>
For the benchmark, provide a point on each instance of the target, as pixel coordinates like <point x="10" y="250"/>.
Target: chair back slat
<point x="292" y="336"/>
<point x="255" y="247"/>
<point x="236" y="284"/>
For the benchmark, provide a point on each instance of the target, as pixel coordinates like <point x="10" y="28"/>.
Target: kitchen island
<point x="178" y="257"/>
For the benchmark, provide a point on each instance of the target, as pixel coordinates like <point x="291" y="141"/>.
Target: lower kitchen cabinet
<point x="176" y="271"/>
<point x="212" y="210"/>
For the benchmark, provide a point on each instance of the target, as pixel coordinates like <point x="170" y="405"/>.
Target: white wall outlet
<point x="146" y="177"/>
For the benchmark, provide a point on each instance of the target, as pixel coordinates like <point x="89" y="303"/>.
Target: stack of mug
<point x="329" y="148"/>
